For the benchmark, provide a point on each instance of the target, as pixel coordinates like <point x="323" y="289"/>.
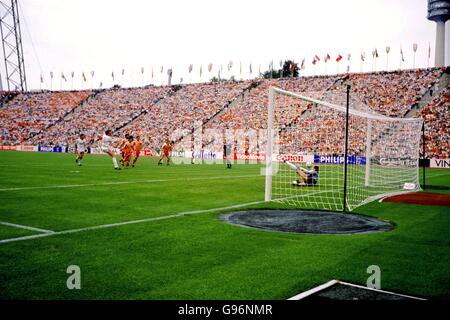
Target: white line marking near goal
<point x="333" y="282"/>
<point x="117" y="224"/>
<point x="25" y="227"/>
<point x="313" y="290"/>
<point x="379" y="290"/>
<point x="126" y="182"/>
<point x="437" y="175"/>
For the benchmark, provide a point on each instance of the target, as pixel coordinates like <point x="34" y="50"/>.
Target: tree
<point x="285" y="72"/>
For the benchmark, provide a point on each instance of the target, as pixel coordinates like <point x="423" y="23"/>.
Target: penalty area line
<point x="20" y="226"/>
<point x="127" y="182"/>
<point x="117" y="224"/>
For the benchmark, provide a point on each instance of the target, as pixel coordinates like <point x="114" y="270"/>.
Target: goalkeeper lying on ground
<point x="309" y="177"/>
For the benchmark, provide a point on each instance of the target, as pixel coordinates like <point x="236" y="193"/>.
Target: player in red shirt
<point x="165" y="152"/>
<point x="137" y="146"/>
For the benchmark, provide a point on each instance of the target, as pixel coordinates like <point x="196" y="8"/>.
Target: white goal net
<point x="306" y="149"/>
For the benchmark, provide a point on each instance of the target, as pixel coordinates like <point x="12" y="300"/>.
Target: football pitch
<point x="152" y="232"/>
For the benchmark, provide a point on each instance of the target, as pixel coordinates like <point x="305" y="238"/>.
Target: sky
<point x="108" y="36"/>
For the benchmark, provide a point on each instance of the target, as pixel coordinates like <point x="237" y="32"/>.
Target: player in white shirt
<point x="107" y="147"/>
<point x="80" y="148"/>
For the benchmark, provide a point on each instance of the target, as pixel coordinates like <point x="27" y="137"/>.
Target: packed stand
<point x="437" y="131"/>
<point x="109" y="109"/>
<point x="192" y="105"/>
<point x="394" y="93"/>
<point x="31" y="113"/>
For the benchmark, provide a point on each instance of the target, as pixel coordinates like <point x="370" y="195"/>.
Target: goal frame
<point x="348" y="111"/>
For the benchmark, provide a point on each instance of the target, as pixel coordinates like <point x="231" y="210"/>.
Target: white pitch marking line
<point x="430" y="175"/>
<point x="103" y="226"/>
<point x="313" y="290"/>
<point x="25" y="227"/>
<point x="125" y="182"/>
<point x="333" y="282"/>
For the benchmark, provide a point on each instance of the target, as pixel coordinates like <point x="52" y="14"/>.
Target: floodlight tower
<point x="439" y="12"/>
<point x="12" y="46"/>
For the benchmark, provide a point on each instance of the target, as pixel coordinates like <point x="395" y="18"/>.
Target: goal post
<point x="311" y="164"/>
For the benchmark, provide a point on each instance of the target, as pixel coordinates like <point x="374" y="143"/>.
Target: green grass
<point x="195" y="256"/>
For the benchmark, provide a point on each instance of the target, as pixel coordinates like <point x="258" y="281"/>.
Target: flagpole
<point x="414" y="58"/>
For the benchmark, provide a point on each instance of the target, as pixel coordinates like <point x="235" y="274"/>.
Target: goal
<point x="329" y="151"/>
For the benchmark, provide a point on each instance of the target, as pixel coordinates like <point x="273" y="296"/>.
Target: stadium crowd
<point x="393" y="93"/>
<point x="157" y="113"/>
<point x="437" y="125"/>
<point x="192" y="105"/>
<point x="109" y="109"/>
<point x="31" y="113"/>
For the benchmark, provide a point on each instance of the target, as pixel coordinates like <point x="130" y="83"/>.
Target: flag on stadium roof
<point x="142" y="70"/>
<point x="292" y="66"/>
<point x="92" y="73"/>
<point x="349" y="55"/>
<point x="388" y="49"/>
<point x="210" y="67"/>
<point x="317" y="57"/>
<point x="363" y="55"/>
<point x="123" y="71"/>
<point x="375" y="53"/>
<point x="152" y="72"/>
<point x="303" y="64"/>
<point x="200" y="71"/>
<point x="339" y="58"/>
<point x="429" y="50"/>
<point x="42" y="79"/>
<point x="230" y="65"/>
<point x="250" y="68"/>
<point x="63" y="77"/>
<point x="51" y="74"/>
<point x="401" y="55"/>
<point x="414" y="47"/>
<point x="327" y="57"/>
<point x="73" y="74"/>
<point x="162" y="69"/>
<point x="314" y="61"/>
<point x="84" y="77"/>
<point x="191" y="66"/>
<point x="112" y="75"/>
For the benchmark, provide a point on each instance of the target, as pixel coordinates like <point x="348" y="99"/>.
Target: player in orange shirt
<point x="165" y="152"/>
<point x="122" y="144"/>
<point x="137" y="146"/>
<point x="128" y="151"/>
